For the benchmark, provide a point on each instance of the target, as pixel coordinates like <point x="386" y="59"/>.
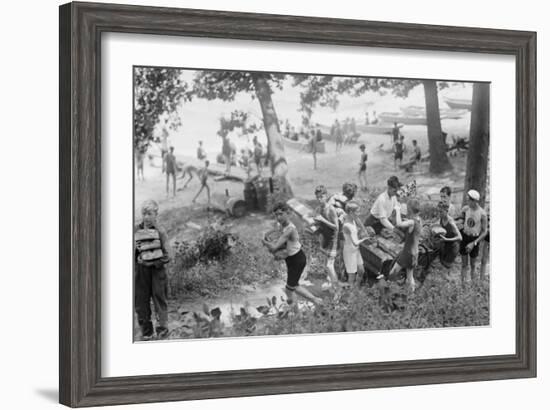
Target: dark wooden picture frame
<point x="81" y="27"/>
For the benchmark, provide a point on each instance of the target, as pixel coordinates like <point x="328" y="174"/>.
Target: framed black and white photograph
<point x="259" y="204"/>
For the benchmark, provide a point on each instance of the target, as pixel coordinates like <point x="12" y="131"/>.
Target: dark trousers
<point x="374" y="223"/>
<point x="150" y="283"/>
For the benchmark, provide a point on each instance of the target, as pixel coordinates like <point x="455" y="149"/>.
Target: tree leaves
<point x="157" y="93"/>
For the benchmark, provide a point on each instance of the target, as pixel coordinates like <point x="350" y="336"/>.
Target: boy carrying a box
<point x="150" y="280"/>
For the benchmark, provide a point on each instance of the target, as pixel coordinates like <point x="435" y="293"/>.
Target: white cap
<point x="473" y="194"/>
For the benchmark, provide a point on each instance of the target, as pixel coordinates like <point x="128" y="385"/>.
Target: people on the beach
<point x="474" y="231"/>
<point x="140" y="158"/>
<point x="398" y="150"/>
<point x="227" y="150"/>
<point x="417" y="153"/>
<point x="338" y="135"/>
<point x="395" y="133"/>
<point x="150" y="280"/>
<point x="201" y="152"/>
<point x="171" y="171"/>
<point x="258" y="153"/>
<point x="203" y="176"/>
<point x="363" y="168"/>
<point x="408" y="257"/>
<point x="164" y="144"/>
<point x="312" y="146"/>
<point x="327" y="220"/>
<point x="295" y="257"/>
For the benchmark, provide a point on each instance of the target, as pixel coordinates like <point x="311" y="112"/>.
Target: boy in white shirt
<point x="383" y="207"/>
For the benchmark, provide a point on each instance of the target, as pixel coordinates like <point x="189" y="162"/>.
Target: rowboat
<point x="381" y="128"/>
<point x="458" y="103"/>
<point x="392" y="117"/>
<point x="413" y="110"/>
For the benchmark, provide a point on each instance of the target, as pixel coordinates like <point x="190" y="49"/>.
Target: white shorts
<point x="352" y="259"/>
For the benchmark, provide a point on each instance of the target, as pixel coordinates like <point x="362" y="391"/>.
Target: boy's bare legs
<point x="198" y="193"/>
<point x="484" y="260"/>
<point x="464" y="271"/>
<point x="207" y="192"/>
<point x="306" y="294"/>
<point x="473" y="268"/>
<point x="332" y="277"/>
<point x="174" y="184"/>
<point x="189" y="180"/>
<point x="411" y="284"/>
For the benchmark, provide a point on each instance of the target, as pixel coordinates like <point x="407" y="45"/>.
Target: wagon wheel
<point x="426" y="256"/>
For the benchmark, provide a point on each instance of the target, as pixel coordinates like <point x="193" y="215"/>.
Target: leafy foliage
<point x="225" y="85"/>
<point x="157" y="92"/>
<point x="238" y="119"/>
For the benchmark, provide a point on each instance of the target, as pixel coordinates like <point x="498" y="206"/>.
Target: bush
<point x="219" y="262"/>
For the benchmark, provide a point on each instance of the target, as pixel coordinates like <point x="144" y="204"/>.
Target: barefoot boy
<point x="171" y="168"/>
<point x="408" y="257"/>
<point x="295" y="257"/>
<point x="203" y="175"/>
<point x="327" y="220"/>
<point x="474" y="231"/>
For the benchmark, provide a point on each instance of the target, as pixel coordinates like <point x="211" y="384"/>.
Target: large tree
<point x="478" y="151"/>
<point x="324" y="90"/>
<point x="225" y="85"/>
<point x="157" y="93"/>
<point x="439" y="161"/>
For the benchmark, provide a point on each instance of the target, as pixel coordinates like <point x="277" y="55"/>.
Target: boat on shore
<point x="458" y="103"/>
<point x="398" y="117"/>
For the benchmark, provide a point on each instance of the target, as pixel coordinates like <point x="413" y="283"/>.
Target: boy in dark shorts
<point x="203" y="175"/>
<point x="408" y="257"/>
<point x="295" y="257"/>
<point x="328" y="223"/>
<point x="398" y="150"/>
<point x="363" y="168"/>
<point x="473" y="232"/>
<point x="150" y="281"/>
<point x="451" y="239"/>
<point x="171" y="168"/>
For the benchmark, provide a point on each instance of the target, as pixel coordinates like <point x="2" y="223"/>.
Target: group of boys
<point x="340" y="230"/>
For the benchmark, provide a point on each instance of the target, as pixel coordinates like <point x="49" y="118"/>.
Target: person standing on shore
<point x="203" y="176"/>
<point x="363" y="168"/>
<point x="171" y="170"/>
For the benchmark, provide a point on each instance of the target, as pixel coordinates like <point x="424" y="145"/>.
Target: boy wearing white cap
<point x="474" y="231"/>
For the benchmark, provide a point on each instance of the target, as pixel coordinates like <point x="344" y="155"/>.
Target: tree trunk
<point x="478" y="150"/>
<point x="275" y="147"/>
<point x="439" y="162"/>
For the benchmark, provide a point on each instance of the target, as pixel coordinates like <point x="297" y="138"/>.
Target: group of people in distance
<point x="341" y="230"/>
<point x="343" y="133"/>
<point x="399" y="149"/>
